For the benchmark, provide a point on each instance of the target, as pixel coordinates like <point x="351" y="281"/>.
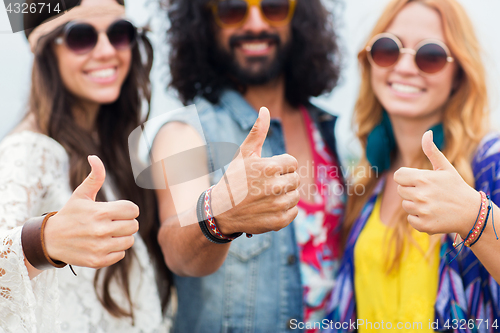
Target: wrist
<point x="50" y="237"/>
<point x="203" y="223"/>
<point x="224" y="227"/>
<point x="219" y="205"/>
<point x="472" y="214"/>
<point x="210" y="219"/>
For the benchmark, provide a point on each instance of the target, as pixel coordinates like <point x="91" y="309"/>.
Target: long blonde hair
<point x="465" y="114"/>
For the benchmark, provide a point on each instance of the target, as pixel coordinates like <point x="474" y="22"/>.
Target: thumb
<point x="255" y="139"/>
<point x="437" y="158"/>
<point x="92" y="184"/>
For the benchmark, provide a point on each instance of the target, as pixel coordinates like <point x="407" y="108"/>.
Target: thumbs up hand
<point x="263" y="191"/>
<point x="88" y="233"/>
<point x="438" y="200"/>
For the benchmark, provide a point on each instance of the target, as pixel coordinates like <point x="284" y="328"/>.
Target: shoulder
<point x="199" y="109"/>
<point x="489" y="147"/>
<point x="31" y="151"/>
<point x="28" y="138"/>
<point x="486" y="165"/>
<point x="487" y="155"/>
<point x="319" y="114"/>
<point x="175" y="137"/>
<point x="183" y="121"/>
<point x="28" y="141"/>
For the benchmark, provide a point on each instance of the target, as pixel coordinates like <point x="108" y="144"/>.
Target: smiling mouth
<point x="404" y="88"/>
<point x="102" y="73"/>
<point x="255" y="46"/>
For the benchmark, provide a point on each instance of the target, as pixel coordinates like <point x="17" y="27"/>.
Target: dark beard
<point x="270" y="69"/>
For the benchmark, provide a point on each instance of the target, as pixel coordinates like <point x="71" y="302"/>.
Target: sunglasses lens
<point x="275" y="10"/>
<point x="431" y="58"/>
<point x="81" y="38"/>
<point x="385" y="52"/>
<point x="231" y="11"/>
<point x="122" y="34"/>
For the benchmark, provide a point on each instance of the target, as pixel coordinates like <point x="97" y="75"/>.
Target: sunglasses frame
<point x="63" y="39"/>
<point x="291" y="12"/>
<point x="403" y="50"/>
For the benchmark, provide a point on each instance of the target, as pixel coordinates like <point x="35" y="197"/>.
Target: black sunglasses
<point x="81" y="37"/>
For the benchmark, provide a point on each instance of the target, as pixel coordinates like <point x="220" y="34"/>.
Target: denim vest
<point x="258" y="288"/>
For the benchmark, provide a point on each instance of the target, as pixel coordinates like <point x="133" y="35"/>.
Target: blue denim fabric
<point x="258" y="288"/>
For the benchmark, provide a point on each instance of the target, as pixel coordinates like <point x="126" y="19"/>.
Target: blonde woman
<point x="421" y="70"/>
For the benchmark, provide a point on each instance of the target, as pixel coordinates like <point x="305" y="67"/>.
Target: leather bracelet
<point x="33" y="243"/>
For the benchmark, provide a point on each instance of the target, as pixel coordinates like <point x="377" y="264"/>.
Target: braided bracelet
<point x="203" y="226"/>
<point x="211" y="220"/>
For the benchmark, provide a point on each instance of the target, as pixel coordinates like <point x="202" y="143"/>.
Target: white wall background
<point x="355" y="18"/>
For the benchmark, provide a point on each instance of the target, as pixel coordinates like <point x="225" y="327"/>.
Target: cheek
<point x="222" y="38"/>
<point x="285" y="34"/>
<point x="441" y="87"/>
<point x="126" y="60"/>
<point x="70" y="67"/>
<point x="378" y="82"/>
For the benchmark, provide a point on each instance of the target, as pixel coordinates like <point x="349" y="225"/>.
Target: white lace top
<point x="34" y="180"/>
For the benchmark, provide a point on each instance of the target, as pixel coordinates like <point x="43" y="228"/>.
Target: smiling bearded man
<point x="230" y="58"/>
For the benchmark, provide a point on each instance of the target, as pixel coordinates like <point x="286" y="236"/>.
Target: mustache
<point x="236" y="40"/>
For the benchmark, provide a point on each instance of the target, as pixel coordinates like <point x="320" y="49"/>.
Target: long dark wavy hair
<point x="311" y="69"/>
<point x="51" y="104"/>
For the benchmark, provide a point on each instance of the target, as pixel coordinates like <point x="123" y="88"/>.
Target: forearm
<point x="187" y="251"/>
<point x="21" y="292"/>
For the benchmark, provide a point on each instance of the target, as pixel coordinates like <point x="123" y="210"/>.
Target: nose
<point x="406" y="65"/>
<point x="103" y="48"/>
<point x="255" y="23"/>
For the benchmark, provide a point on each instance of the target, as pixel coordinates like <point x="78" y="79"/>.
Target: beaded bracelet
<point x="474" y="241"/>
<point x="490" y="211"/>
<point x="479" y="225"/>
<point x="477" y="230"/>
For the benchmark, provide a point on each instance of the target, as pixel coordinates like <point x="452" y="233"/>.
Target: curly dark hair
<point x="311" y="69"/>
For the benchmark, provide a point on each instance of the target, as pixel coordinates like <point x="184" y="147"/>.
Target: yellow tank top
<point x="402" y="298"/>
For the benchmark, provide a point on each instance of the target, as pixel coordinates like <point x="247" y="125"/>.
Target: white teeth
<point x="103" y="73"/>
<point x="403" y="88"/>
<point x="254" y="46"/>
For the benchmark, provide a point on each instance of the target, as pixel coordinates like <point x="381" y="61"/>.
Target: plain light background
<point x="354" y="20"/>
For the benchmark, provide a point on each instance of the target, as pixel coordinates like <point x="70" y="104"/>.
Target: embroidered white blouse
<point x="34" y="180"/>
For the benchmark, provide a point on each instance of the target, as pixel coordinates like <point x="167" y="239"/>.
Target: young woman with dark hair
<point x="89" y="81"/>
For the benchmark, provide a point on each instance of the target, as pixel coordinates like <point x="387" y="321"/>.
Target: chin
<point x="410" y="113"/>
<point x="106" y="98"/>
